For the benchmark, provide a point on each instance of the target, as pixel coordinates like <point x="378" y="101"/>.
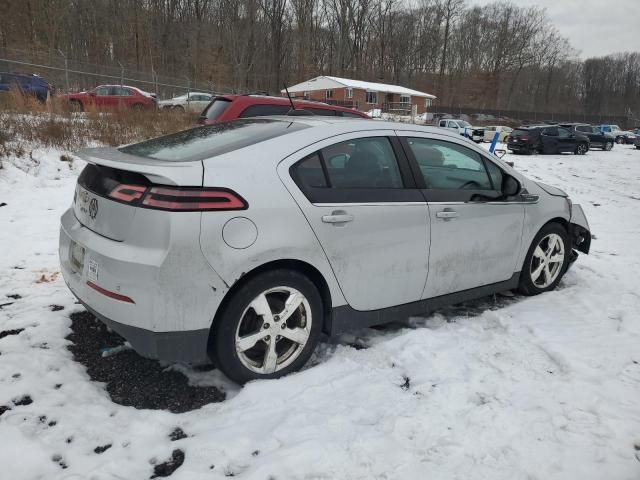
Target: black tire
<point x="223" y="339"/>
<point x="138" y="107"/>
<point x="581" y="148"/>
<point x="76" y="106"/>
<point x="527" y="286"/>
<point x="607" y="146"/>
<point x="620" y="140"/>
<point x="179" y="109"/>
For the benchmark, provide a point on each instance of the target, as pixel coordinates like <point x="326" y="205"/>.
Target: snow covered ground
<point x="505" y="388"/>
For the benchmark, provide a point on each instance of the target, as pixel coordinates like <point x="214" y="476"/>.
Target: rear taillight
<point x="524" y="138"/>
<point x="128" y="193"/>
<point x="192" y="199"/>
<point x="177" y="199"/>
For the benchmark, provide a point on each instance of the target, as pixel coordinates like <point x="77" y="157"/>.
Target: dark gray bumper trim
<point x="186" y="346"/>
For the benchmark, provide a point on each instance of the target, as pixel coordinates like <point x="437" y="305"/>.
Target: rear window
<point x="351" y="115"/>
<point x="518" y="132"/>
<point x="320" y="111"/>
<point x="265" y="110"/>
<point x="211" y="140"/>
<point x="216" y="108"/>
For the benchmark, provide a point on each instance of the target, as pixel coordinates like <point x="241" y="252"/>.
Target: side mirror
<point x="510" y="186"/>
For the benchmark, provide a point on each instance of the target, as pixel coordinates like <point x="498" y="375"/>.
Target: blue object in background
<point x="27" y="84"/>
<point x="494" y="142"/>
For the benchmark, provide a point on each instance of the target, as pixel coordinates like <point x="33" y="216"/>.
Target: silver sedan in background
<point x="194" y="102"/>
<point x="243" y="242"/>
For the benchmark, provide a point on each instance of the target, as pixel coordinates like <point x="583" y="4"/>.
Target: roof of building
<point x="324" y="82"/>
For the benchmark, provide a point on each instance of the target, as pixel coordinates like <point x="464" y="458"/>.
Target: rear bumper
<point x="174" y="292"/>
<point x="188" y="346"/>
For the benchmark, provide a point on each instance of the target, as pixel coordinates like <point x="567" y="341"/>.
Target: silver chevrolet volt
<point x="243" y="242"/>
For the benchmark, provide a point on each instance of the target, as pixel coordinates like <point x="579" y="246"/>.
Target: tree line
<point x="497" y="56"/>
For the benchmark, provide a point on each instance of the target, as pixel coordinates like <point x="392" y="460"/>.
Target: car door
<point x="359" y="198"/>
<point x="567" y="140"/>
<point x="475" y="232"/>
<point x="550" y="140"/>
<point x="103" y="98"/>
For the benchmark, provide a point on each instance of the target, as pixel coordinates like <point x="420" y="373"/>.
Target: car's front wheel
<point x="546" y="261"/>
<point x="608" y="146"/>
<point x="269" y="328"/>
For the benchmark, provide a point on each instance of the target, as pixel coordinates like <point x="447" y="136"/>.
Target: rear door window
<point x="205" y="142"/>
<point x="362" y="163"/>
<point x="265" y="110"/>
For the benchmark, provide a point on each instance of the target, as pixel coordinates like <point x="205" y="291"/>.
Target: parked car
<point x="194" y="102"/>
<point x="546" y="139"/>
<point x="230" y="107"/>
<point x="463" y="128"/>
<point x="241" y="242"/>
<point x="489" y="133"/>
<point x="621" y="136"/>
<point x="597" y="138"/>
<point x="637" y="142"/>
<point x="106" y="97"/>
<point x="31" y="85"/>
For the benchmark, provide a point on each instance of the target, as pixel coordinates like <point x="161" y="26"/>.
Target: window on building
<point x="372" y="97"/>
<point x="329" y="93"/>
<point x="405" y="99"/>
<point x="349" y="92"/>
<point x="427" y="102"/>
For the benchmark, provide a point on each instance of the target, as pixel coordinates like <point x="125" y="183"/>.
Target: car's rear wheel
<point x="269" y="328"/>
<point x="179" y="108"/>
<point x="546" y="261"/>
<point x="608" y="146"/>
<point x="581" y="149"/>
<point x="620" y="140"/>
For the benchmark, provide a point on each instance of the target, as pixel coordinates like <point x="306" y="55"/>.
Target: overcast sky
<point x="594" y="27"/>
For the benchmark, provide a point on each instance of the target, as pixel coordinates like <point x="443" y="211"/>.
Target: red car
<point x="229" y="107"/>
<point x="108" y="97"/>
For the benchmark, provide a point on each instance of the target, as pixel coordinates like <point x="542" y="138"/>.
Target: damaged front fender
<point x="579" y="230"/>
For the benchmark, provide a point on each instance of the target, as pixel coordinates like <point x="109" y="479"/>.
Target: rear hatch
<point x="520" y="135"/>
<point x="111" y="187"/>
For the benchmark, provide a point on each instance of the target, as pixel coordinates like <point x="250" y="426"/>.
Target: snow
<point x="505" y="388"/>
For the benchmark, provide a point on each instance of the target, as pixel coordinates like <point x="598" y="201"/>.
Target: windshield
<point x="463" y="124"/>
<point x="211" y="140"/>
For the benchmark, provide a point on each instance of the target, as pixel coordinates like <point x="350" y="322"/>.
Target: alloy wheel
<point x="547" y="260"/>
<point x="273" y="330"/>
<point x="581" y="149"/>
<point x="608" y="146"/>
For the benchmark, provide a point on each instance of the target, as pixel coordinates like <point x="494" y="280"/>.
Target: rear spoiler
<point x="157" y="171"/>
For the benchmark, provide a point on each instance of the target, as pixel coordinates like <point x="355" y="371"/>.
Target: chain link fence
<point x="69" y="75"/>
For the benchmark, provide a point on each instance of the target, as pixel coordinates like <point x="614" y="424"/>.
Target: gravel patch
<point x="130" y="379"/>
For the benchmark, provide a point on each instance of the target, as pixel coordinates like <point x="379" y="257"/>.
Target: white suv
<point x="463" y="128"/>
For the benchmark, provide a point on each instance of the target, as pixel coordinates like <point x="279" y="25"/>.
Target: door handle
<point x="447" y="214"/>
<point x="337" y="218"/>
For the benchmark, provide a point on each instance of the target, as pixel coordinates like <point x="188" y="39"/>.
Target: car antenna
<point x="293" y="107"/>
<point x="293" y="112"/>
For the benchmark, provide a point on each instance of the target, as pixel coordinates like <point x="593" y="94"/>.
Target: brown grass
<point x="26" y="124"/>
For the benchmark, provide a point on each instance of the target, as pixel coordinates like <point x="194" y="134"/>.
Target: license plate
<point x="76" y="256"/>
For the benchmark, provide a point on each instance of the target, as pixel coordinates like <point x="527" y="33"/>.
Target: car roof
<point x="273" y="100"/>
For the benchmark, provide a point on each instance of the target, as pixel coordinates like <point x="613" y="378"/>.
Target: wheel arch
<point x="300" y="266"/>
